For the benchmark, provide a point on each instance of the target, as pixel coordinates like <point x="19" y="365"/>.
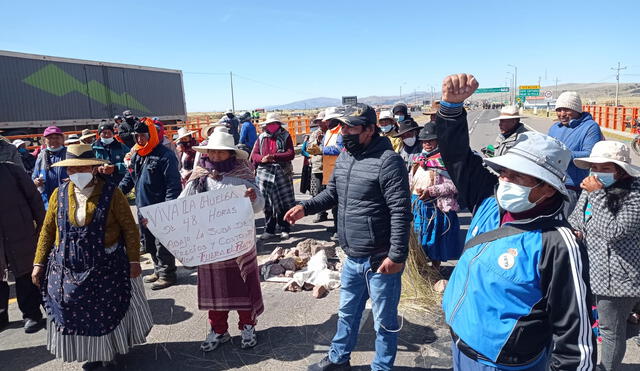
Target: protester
<point x="248" y="134"/>
<point x="389" y="128"/>
<point x="186" y="152"/>
<point x="510" y="129"/>
<point x="9" y="152"/>
<point x="607" y="218"/>
<point x="20" y="223"/>
<point x="432" y="111"/>
<point x="91" y="283"/>
<point x="332" y="146"/>
<point x="28" y="160"/>
<point x="87" y="137"/>
<point x="256" y="116"/>
<point x="169" y="144"/>
<point x="435" y="217"/>
<point x="114" y="152"/>
<point x="410" y="147"/>
<point x="315" y="148"/>
<point x="400" y="112"/>
<point x="234" y="125"/>
<point x="155" y="176"/>
<point x="305" y="174"/>
<point x="205" y="132"/>
<point x="519" y="297"/>
<point x="72" y="139"/>
<point x="232" y="284"/>
<point x="44" y="176"/>
<point x="579" y="132"/>
<point x="124" y="126"/>
<point x="370" y="186"/>
<point x="272" y="155"/>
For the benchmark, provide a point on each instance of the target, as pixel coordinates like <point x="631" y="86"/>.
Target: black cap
<point x="140" y="128"/>
<point x="428" y="132"/>
<point x="359" y="114"/>
<point x="105" y="126"/>
<point x="406" y="126"/>
<point x="400" y="108"/>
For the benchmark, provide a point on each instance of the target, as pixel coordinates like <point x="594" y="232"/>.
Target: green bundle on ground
<point x="418" y="279"/>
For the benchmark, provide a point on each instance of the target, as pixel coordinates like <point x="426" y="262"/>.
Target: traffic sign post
<point x="548" y="94"/>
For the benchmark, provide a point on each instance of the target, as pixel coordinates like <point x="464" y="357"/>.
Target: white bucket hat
<point x="507" y="113"/>
<point x="183" y="132"/>
<point x="386" y="114"/>
<point x="539" y="156"/>
<point x="271" y="118"/>
<point x="220" y="139"/>
<point x="18" y="142"/>
<point x="609" y="151"/>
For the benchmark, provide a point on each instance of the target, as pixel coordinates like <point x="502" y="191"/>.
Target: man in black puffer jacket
<point x="370" y="187"/>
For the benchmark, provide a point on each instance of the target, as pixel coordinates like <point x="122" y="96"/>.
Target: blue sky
<point x="284" y="51"/>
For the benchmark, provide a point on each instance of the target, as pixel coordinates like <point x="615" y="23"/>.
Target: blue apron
<point x="86" y="288"/>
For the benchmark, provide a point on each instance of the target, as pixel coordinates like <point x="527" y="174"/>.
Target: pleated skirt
<point x="132" y="330"/>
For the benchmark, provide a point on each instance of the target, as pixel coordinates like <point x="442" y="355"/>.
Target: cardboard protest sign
<point x="206" y="227"/>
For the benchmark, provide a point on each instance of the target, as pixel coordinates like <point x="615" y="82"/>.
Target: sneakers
<point x="214" y="340"/>
<point x="248" y="335"/>
<point x="31" y="325"/>
<point x="150" y="278"/>
<point x="267" y="236"/>
<point x="325" y="364"/>
<point x="284" y="235"/>
<point x="162" y="283"/>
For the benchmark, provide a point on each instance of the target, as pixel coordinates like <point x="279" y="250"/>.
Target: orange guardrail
<point x="623" y="119"/>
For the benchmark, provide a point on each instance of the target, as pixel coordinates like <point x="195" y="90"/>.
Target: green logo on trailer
<point x="55" y="81"/>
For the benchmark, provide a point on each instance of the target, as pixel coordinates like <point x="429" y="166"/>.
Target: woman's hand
<point x="591" y="183"/>
<point x="251" y="193"/>
<point x="134" y="269"/>
<point x="36" y="275"/>
<point x="423" y="194"/>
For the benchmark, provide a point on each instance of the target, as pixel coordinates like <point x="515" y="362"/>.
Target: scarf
<point x="431" y="160"/>
<point x="154" y="139"/>
<point x="278" y="144"/>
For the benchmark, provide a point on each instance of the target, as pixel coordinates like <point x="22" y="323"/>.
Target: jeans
<point x="28" y="295"/>
<point x="164" y="263"/>
<point x="612" y="316"/>
<point x="463" y="363"/>
<point x="219" y="320"/>
<point x="384" y="290"/>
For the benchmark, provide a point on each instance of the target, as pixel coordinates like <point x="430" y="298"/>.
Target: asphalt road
<point x="294" y="331"/>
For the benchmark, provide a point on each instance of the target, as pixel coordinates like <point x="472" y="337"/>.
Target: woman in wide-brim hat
<point x="232" y="284"/>
<point x="607" y="218"/>
<point x="87" y="267"/>
<point x="410" y="147"/>
<point x="186" y="154"/>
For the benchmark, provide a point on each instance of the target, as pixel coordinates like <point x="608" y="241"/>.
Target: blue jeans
<point x="384" y="290"/>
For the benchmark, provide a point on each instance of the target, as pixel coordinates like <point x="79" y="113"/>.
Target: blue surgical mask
<point x="399" y="118"/>
<point x="605" y="178"/>
<point x="386" y="129"/>
<point x="54" y="149"/>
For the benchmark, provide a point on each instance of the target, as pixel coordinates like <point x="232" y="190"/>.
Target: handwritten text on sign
<point x="206" y="227"/>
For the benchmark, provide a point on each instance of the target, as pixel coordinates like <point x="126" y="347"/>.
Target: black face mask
<point x="352" y="143"/>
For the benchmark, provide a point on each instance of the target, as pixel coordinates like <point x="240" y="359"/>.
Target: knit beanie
<point x="105" y="126"/>
<point x="570" y="100"/>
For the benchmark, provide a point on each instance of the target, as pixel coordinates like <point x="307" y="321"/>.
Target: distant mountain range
<point x="600" y="92"/>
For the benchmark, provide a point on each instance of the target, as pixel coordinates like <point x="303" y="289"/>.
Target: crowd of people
<point x="555" y="229"/>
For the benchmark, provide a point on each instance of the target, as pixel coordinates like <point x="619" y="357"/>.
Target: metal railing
<point x="623" y="119"/>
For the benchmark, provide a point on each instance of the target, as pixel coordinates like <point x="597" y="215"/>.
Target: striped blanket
<point x="276" y="186"/>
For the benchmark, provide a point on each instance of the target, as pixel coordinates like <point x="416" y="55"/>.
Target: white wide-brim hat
<point x="271" y="118"/>
<point x="539" y="156"/>
<point x="183" y="132"/>
<point x="609" y="151"/>
<point x="222" y="140"/>
<point x="509" y="112"/>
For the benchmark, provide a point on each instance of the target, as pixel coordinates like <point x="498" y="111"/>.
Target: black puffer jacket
<point x="374" y="203"/>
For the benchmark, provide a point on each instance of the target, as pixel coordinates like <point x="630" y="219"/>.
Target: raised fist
<point x="457" y="88"/>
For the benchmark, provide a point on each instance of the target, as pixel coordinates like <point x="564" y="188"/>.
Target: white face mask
<point x="81" y="180"/>
<point x="514" y="197"/>
<point x="107" y="141"/>
<point x="410" y="141"/>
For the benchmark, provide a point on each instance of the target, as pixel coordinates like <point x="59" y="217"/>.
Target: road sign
<point x="349" y="100"/>
<point x="529" y="87"/>
<point x="503" y="89"/>
<point x="529" y="92"/>
<point x="548" y="94"/>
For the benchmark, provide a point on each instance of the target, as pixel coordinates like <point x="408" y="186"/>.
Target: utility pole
<point x="400" y="93"/>
<point x="617" y="69"/>
<point x="515" y="82"/>
<point x="233" y="103"/>
<point x="556" y="92"/>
